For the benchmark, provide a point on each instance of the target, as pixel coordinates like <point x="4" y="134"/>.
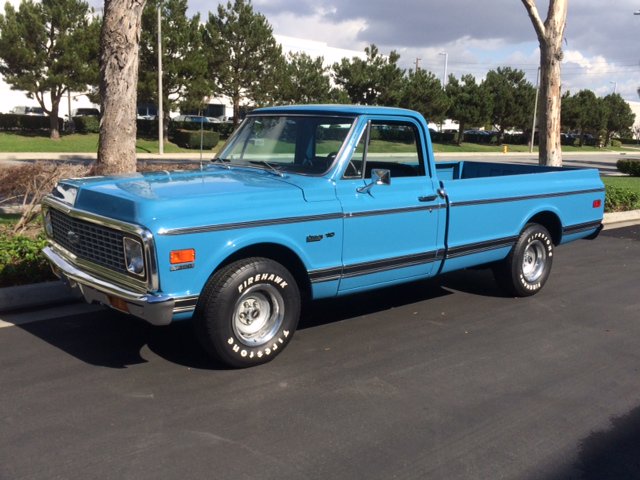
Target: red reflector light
<point x="182" y="256"/>
<point x="597" y="203"/>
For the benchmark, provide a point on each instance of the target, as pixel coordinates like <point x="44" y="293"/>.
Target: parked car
<point x="25" y="110"/>
<point x="85" y="112"/>
<point x="195" y="118"/>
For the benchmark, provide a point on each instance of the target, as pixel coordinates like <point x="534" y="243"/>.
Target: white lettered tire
<point x="248" y="312"/>
<point x="528" y="266"/>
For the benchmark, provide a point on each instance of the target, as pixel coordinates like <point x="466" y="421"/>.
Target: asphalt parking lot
<point x="445" y="379"/>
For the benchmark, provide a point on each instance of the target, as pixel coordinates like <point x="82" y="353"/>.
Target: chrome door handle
<point x="427" y="198"/>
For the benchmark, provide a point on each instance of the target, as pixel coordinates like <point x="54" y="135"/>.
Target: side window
<point x="393" y="146"/>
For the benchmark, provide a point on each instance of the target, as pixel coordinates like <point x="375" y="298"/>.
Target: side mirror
<point x="379" y="176"/>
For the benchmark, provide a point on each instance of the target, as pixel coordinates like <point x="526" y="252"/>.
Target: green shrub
<point x="21" y="260"/>
<point x="192" y="138"/>
<point x="620" y="199"/>
<point x="25" y="123"/>
<point x="616" y="143"/>
<point x="629" y="166"/>
<point x="146" y="128"/>
<point x="86" y="124"/>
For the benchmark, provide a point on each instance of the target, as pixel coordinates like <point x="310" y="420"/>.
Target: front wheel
<point x="248" y="312"/>
<point x="527" y="267"/>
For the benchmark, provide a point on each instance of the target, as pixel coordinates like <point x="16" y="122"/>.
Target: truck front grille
<point x="89" y="241"/>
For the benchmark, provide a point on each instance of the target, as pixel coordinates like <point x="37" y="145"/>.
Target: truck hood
<point x="166" y="199"/>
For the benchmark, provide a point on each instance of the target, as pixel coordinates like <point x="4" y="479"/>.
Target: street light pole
<point x="160" y="112"/>
<point x="535" y="112"/>
<point x="446" y="59"/>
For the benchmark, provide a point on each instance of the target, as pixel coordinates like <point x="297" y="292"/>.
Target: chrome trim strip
<point x="525" y="197"/>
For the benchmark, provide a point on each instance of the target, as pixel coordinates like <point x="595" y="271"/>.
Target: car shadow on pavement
<point x="110" y="339"/>
<point x="612" y="454"/>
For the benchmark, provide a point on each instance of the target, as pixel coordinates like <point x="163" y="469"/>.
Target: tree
<point x="470" y="103"/>
<point x="422" y="91"/>
<point x="584" y="113"/>
<point x="118" y="85"/>
<point x="512" y="98"/>
<point x="243" y="55"/>
<point x="48" y="48"/>
<point x="619" y="116"/>
<point x="377" y="80"/>
<point x="550" y="35"/>
<point x="185" y="81"/>
<point x="305" y="80"/>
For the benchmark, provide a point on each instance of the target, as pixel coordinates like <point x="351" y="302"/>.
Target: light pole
<point x="535" y="112"/>
<point x="444" y="77"/>
<point x="160" y="112"/>
<point x="615" y="86"/>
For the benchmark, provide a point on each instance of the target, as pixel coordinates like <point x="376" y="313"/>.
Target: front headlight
<point x="133" y="256"/>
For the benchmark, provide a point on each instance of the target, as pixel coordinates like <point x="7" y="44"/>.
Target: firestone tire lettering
<point x="248" y="312"/>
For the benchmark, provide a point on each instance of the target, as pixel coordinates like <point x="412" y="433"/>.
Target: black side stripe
<point x="480" y="247"/>
<point x="393" y="211"/>
<point x="367" y="268"/>
<point x="250" y="224"/>
<point x="581" y="227"/>
<point x="525" y="197"/>
<point x="289" y="220"/>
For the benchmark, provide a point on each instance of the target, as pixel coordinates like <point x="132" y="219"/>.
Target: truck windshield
<point x="296" y="144"/>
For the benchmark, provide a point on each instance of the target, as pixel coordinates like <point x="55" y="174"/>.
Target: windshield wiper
<point x="272" y="168"/>
<point x="222" y="162"/>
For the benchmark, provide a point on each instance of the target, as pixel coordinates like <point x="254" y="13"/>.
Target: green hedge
<point x="86" y="124"/>
<point x="25" y="123"/>
<point x="192" y="138"/>
<point x="149" y="128"/>
<point x="619" y="199"/>
<point x="21" y="260"/>
<point x="629" y="166"/>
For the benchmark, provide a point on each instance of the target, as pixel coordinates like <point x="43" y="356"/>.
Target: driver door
<point x="391" y="231"/>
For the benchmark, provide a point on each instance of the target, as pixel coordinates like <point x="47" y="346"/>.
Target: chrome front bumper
<point x="155" y="309"/>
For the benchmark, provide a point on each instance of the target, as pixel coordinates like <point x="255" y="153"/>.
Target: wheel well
<point x="551" y="222"/>
<point x="284" y="256"/>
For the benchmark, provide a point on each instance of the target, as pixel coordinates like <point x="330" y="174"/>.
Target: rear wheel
<point x="248" y="312"/>
<point x="527" y="267"/>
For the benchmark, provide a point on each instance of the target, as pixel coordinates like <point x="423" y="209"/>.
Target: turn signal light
<point x="597" y="203"/>
<point x="182" y="256"/>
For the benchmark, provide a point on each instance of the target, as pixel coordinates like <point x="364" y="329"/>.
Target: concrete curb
<point x="36" y="295"/>
<point x="621" y="219"/>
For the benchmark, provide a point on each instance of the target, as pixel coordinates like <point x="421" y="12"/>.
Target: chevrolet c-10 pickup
<point x="302" y="203"/>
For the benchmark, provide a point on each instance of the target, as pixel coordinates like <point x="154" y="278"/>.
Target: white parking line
<point x="22" y="318"/>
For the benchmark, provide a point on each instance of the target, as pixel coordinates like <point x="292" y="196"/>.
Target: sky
<point x="601" y="47"/>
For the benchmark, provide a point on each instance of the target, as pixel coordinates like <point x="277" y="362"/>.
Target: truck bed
<point x="465" y="170"/>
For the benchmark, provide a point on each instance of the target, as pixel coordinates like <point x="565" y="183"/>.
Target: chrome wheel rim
<point x="534" y="261"/>
<point x="258" y="315"/>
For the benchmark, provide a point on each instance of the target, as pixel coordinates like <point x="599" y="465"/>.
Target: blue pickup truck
<point x="308" y="202"/>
